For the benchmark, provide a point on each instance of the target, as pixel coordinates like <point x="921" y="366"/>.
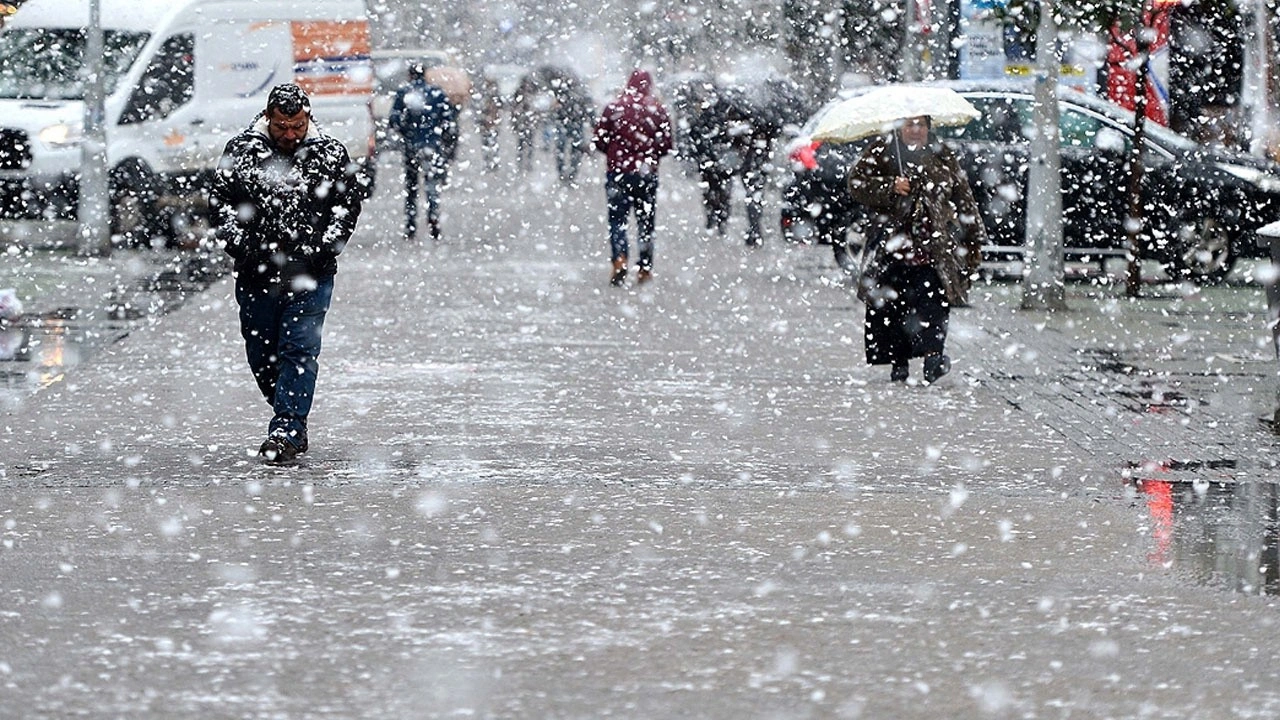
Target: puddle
<point x="1105" y="361"/>
<point x="1217" y="533"/>
<point x="38" y="348"/>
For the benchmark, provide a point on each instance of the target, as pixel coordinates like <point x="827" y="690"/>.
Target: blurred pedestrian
<point x="571" y="114"/>
<point x="286" y="198"/>
<point x="529" y="109"/>
<point x="634" y="133"/>
<point x="488" y="102"/>
<point x="427" y="121"/>
<point x="923" y="248"/>
<point x="731" y="139"/>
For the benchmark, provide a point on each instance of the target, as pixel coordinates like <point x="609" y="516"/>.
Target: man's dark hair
<point x="288" y="99"/>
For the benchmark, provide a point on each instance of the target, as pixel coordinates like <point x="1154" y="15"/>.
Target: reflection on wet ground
<point x="1222" y="534"/>
<point x="37" y="348"/>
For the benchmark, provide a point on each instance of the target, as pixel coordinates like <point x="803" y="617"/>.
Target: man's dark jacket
<point x="282" y="216"/>
<point x="425" y="117"/>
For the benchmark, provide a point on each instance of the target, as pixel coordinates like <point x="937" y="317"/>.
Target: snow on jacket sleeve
<point x="230" y="201"/>
<point x="345" y="203"/>
<point x="870" y="180"/>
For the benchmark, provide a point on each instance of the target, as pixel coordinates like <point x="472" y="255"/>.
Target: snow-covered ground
<point x="530" y="494"/>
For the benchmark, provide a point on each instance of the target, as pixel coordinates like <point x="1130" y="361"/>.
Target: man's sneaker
<point x="643" y="275"/>
<point x="277" y="449"/>
<point x="935" y="366"/>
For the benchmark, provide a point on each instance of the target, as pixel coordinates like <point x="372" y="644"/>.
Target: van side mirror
<point x="1110" y="140"/>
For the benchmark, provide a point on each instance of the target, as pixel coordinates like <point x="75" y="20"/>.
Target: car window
<point x="1076" y="129"/>
<point x="1000" y="121"/>
<point x="49" y="63"/>
<point x="167" y="84"/>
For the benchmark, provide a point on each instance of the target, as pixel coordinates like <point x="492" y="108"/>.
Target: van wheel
<point x="134" y="216"/>
<point x="1204" y="254"/>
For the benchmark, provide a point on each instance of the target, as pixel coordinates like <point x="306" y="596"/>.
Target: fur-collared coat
<point x="940" y="213"/>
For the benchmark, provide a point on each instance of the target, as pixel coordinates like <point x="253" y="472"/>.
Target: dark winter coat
<point x="425" y="117"/>
<point x="728" y="136"/>
<point x="634" y="131"/>
<point x="937" y="223"/>
<point x="282" y="216"/>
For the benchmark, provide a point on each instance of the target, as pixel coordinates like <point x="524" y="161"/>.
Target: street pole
<point x="1258" y="80"/>
<point x="94" y="194"/>
<point x="1136" y="217"/>
<point x="1044" y="286"/>
<point x="911" y="61"/>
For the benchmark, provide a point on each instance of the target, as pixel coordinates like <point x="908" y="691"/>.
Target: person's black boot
<point x="900" y="372"/>
<point x="278" y="449"/>
<point x="935" y="366"/>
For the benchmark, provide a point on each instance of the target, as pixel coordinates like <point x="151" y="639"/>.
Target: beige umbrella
<point x="453" y="80"/>
<point x="882" y="108"/>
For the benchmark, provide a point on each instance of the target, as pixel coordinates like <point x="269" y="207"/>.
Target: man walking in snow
<point x="427" y="121"/>
<point x="634" y="133"/>
<point x="285" y="199"/>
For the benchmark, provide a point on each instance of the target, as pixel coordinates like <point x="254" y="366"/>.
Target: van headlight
<point x="62" y="135"/>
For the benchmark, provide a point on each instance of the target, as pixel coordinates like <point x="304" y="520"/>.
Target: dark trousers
<point x="628" y="192"/>
<point x="907" y="315"/>
<point x="715" y="196"/>
<point x="281" y="330"/>
<point x="717" y="191"/>
<point x="569" y="146"/>
<point x="432" y="167"/>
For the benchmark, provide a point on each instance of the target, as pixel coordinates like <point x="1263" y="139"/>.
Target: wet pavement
<point x="74" y="305"/>
<point x="533" y="495"/>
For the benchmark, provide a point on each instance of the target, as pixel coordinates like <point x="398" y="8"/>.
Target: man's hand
<point x="902" y="186"/>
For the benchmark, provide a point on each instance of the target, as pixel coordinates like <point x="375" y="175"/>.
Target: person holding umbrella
<point x="918" y="262"/>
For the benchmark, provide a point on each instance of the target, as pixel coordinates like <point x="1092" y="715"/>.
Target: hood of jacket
<point x="640" y="83"/>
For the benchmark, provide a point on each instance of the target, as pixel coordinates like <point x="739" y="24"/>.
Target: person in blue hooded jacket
<point x="427" y="121"/>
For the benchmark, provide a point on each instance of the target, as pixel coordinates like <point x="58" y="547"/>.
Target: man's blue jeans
<point x="432" y="167"/>
<point x="626" y="192"/>
<point x="281" y="330"/>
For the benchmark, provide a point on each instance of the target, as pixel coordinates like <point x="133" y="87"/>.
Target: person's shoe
<point x="277" y="449"/>
<point x="935" y="366"/>
<point x="435" y="230"/>
<point x="619" y="272"/>
<point x="900" y="372"/>
<point x="643" y="275"/>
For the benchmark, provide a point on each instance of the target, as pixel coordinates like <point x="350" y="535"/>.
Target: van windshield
<point x="48" y="63"/>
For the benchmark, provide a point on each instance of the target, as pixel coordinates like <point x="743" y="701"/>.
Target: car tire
<point x="1205" y="252"/>
<point x="134" y="214"/>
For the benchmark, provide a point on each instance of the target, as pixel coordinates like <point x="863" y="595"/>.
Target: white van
<point x="182" y="77"/>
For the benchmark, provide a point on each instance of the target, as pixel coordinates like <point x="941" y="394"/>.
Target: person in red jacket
<point x="634" y="133"/>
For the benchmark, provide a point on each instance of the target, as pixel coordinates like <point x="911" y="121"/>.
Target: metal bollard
<point x="1270" y="235"/>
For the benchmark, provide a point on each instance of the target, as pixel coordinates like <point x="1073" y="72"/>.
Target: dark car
<point x="815" y="206"/>
<point x="1202" y="205"/>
